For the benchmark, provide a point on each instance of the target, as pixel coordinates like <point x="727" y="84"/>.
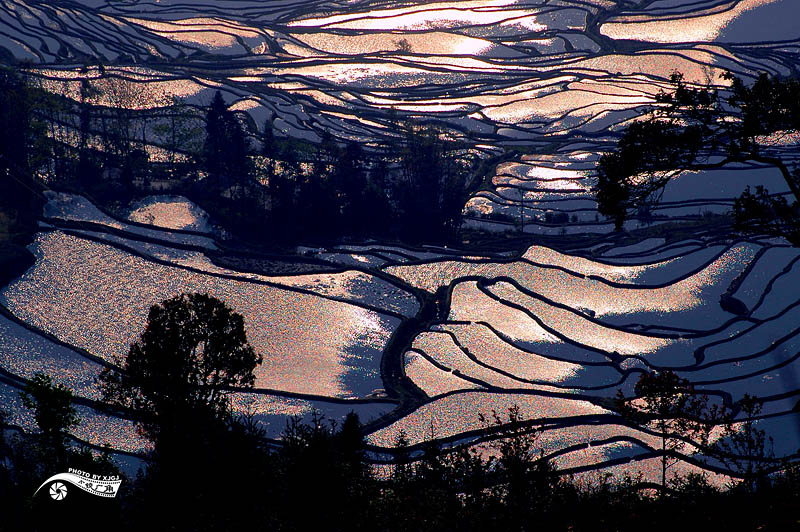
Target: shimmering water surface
<point x="553" y="331"/>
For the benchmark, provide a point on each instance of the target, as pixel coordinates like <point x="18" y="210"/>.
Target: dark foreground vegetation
<point x="210" y="469"/>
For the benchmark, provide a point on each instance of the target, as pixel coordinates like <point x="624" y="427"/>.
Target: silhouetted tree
<point x="226" y="146"/>
<point x="54" y="415"/>
<point x="528" y="485"/>
<point x="761" y="212"/>
<point x="696" y="129"/>
<point x="324" y="462"/>
<point x="193" y="350"/>
<point x="178" y="131"/>
<point x="743" y="447"/>
<point x="668" y="405"/>
<point x="177" y="378"/>
<point x="20" y="143"/>
<point x="430" y="193"/>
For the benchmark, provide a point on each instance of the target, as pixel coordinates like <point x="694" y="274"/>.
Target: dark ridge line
<point x="665" y="247"/>
<point x="377" y="252"/>
<point x="662" y="248"/>
<point x="491" y="433"/>
<point x="112" y="450"/>
<point x="370" y="255"/>
<point x="613" y="357"/>
<point x="506" y="340"/>
<point x="768" y="288"/>
<point x="97" y="227"/>
<point x="781" y="364"/>
<point x="489" y="260"/>
<point x="238" y="390"/>
<point x="314" y="397"/>
<point x="378" y="246"/>
<point x="455" y="372"/>
<point x="428" y="358"/>
<point x="392" y="362"/>
<point x="610" y="357"/>
<point x="459" y="26"/>
<point x="700" y="353"/>
<point x="375" y="272"/>
<point x="507" y="260"/>
<point x="485" y="285"/>
<point x="690" y="334"/>
<point x="5" y="312"/>
<point x="639" y="255"/>
<point x="664" y="13"/>
<point x="765" y="250"/>
<point x="473" y="358"/>
<point x="491" y="437"/>
<point x="102" y="408"/>
<point x="19" y="383"/>
<point x="680" y="278"/>
<point x="596" y="401"/>
<point x="386" y="312"/>
<point x="687" y="222"/>
<point x="545" y="424"/>
<point x="682" y="332"/>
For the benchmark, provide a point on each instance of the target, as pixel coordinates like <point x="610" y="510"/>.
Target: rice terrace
<point x="565" y="229"/>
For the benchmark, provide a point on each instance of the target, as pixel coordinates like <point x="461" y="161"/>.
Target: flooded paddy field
<point x="556" y="330"/>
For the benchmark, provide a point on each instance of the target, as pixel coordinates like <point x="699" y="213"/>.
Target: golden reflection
<point x="491" y="350"/>
<point x="675" y="29"/>
<point x="458" y="413"/>
<point x="171" y="212"/>
<point x="430" y="379"/>
<point x="96" y="297"/>
<point x="434" y="15"/>
<point x="210" y="33"/>
<point x="436" y="43"/>
<point x="678" y="287"/>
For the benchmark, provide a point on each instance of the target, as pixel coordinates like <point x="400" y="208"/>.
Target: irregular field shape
<point x="432" y="380"/>
<point x="76" y="208"/>
<point x="679" y="29"/>
<point x="690" y="291"/>
<point x="589" y="89"/>
<point x="492" y="351"/>
<point x="441" y="348"/>
<point x="170" y="212"/>
<point x="85" y="294"/>
<point x="24" y="353"/>
<point x="457" y="413"/>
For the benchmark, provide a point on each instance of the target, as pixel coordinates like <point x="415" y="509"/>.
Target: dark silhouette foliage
<point x="669" y="405"/>
<point x="54" y="414"/>
<point x="193" y="350"/>
<point x="226" y="147"/>
<point x="695" y="129"/>
<point x="744" y="448"/>
<point x="23" y="150"/>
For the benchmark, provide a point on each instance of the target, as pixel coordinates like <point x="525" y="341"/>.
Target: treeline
<point x="221" y="476"/>
<point x="115" y="140"/>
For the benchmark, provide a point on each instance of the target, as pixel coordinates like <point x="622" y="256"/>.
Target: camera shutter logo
<point x="99" y="485"/>
<point x="58" y="491"/>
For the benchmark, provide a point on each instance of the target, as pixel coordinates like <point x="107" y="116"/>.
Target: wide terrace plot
<point x="556" y="334"/>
